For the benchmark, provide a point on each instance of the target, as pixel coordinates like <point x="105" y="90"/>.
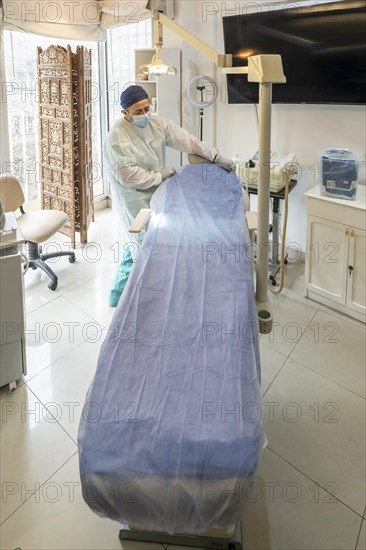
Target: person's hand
<point x="167" y="172"/>
<point x="225" y="163"/>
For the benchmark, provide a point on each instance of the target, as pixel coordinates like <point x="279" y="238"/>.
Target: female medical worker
<point x="134" y="151"/>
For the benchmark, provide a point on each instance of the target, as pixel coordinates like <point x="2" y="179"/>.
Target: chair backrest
<point x="11" y="192"/>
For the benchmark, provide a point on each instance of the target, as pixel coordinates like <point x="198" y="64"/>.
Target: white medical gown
<point x="135" y="156"/>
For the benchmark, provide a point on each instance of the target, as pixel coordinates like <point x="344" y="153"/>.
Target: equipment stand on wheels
<point x="274" y="260"/>
<point x="276" y="196"/>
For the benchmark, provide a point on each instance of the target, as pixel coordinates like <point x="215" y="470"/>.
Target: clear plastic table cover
<point x="171" y="428"/>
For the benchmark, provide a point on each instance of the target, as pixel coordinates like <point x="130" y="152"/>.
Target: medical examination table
<point x="171" y="436"/>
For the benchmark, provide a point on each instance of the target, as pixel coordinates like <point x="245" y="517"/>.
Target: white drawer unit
<point x="335" y="266"/>
<point x="12" y="326"/>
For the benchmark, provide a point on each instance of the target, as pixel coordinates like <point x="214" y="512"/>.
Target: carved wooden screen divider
<point x="64" y="85"/>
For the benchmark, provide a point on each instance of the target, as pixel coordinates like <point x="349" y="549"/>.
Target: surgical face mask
<point x="142" y="120"/>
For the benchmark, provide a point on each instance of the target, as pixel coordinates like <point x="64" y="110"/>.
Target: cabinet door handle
<point x="347" y="231"/>
<point x="352" y="232"/>
<point x="350" y="269"/>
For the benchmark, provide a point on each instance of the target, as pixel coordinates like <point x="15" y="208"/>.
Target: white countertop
<point x="359" y="203"/>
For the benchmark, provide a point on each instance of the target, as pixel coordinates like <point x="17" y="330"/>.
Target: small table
<point x="277" y="196"/>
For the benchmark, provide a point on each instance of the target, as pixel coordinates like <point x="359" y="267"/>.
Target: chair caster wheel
<point x="52" y="286"/>
<point x="286" y="262"/>
<point x="72" y="258"/>
<point x="273" y="281"/>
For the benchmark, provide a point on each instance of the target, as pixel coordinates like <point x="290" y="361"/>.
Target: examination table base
<point x="193" y="541"/>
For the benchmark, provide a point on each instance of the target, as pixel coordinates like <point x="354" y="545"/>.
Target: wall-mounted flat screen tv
<point x="323" y="49"/>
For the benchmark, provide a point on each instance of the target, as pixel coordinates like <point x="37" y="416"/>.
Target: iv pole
<point x="265" y="70"/>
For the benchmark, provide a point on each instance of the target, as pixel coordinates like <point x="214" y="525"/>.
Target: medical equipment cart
<point x="274" y="228"/>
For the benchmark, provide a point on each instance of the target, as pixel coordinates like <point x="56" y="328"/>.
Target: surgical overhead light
<point x="157" y="67"/>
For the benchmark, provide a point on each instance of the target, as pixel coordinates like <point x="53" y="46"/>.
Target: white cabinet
<point x="12" y="333"/>
<point x="164" y="91"/>
<point x="355" y="297"/>
<point x="335" y="266"/>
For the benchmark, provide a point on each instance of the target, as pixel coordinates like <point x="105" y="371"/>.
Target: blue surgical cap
<point x="132" y="95"/>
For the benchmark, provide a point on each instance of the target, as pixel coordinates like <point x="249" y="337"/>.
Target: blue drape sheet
<point x="171" y="428"/>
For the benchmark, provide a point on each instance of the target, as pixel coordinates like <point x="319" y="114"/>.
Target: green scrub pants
<point x="121" y="278"/>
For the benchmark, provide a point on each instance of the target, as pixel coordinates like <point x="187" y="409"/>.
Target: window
<point x="121" y="43"/>
<point x="21" y="89"/>
<point x="29" y="124"/>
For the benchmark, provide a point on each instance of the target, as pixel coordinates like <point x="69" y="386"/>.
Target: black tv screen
<point x="323" y="49"/>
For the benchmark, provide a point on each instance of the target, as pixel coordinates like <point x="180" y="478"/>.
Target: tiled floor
<point x="310" y="492"/>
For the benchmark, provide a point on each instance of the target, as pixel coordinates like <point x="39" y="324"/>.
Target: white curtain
<point x="4" y="125"/>
<point x="73" y="19"/>
<point x="117" y="13"/>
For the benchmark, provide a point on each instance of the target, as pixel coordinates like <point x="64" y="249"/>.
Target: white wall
<point x="302" y="129"/>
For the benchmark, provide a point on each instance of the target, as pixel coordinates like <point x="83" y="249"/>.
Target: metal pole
<point x="265" y="98"/>
<point x="201" y="124"/>
<point x="201" y="88"/>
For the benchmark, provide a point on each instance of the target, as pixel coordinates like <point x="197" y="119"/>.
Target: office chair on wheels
<point x="36" y="227"/>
